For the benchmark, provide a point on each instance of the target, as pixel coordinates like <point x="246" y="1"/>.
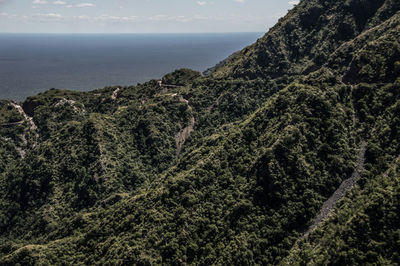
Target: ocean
<point x="33" y="63"/>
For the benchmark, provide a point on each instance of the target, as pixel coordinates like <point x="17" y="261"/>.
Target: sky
<point x="140" y="16"/>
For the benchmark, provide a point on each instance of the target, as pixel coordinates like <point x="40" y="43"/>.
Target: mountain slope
<point x="303" y="40"/>
<point x="362" y="231"/>
<point x="230" y="168"/>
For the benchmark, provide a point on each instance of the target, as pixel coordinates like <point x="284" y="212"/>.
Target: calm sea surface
<point x="32" y="63"/>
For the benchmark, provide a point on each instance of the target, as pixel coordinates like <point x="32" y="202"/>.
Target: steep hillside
<point x="303" y="40"/>
<point x="363" y="230"/>
<point x="230" y="168"/>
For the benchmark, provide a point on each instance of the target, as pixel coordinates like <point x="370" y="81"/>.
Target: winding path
<point x="162" y="85"/>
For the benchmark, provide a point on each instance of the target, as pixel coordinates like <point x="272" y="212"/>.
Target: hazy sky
<point x="140" y="16"/>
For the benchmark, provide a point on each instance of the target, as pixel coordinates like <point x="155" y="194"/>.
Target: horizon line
<point x="111" y="33"/>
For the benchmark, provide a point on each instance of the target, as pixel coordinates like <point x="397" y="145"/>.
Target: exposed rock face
<point x="345" y="187"/>
<point x="115" y="94"/>
<point x="182" y="136"/>
<point x="27" y="117"/>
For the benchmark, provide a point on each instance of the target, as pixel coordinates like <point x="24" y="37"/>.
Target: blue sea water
<point x="32" y="63"/>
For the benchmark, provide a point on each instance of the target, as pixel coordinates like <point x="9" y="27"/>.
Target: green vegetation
<point x="228" y="168"/>
<point x="364" y="230"/>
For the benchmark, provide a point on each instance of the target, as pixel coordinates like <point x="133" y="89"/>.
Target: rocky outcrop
<point x="345" y="187"/>
<point x="27" y="117"/>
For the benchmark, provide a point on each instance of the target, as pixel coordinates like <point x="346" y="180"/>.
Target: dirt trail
<point x="172" y="86"/>
<point x="346" y="185"/>
<point x="166" y="86"/>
